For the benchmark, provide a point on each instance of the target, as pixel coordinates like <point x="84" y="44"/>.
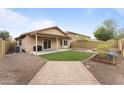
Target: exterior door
<point x="47" y="44"/>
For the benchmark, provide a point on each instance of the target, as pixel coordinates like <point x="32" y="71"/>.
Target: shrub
<point x="102" y="50"/>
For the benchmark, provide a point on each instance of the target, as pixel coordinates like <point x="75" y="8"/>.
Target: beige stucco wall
<point x="53" y="31"/>
<point x="23" y="43"/>
<point x="28" y="43"/>
<point x="73" y="38"/>
<point x="41" y="40"/>
<point x="77" y="37"/>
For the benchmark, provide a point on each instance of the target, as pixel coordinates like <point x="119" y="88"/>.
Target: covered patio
<point x="53" y="43"/>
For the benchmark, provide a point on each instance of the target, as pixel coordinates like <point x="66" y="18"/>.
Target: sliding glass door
<point x="47" y="43"/>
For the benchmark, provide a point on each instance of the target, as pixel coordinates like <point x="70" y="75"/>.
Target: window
<point x="65" y="42"/>
<point x="20" y="43"/>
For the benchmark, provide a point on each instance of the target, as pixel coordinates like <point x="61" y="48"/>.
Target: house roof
<point x="69" y="32"/>
<point x="37" y="31"/>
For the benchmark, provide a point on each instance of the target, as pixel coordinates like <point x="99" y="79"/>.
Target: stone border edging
<point x="89" y="57"/>
<point x="87" y="68"/>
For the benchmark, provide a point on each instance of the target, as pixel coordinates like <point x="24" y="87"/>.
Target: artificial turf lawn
<point x="67" y="56"/>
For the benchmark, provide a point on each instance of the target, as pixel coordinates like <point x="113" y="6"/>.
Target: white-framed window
<point x="20" y="42"/>
<point x="65" y="42"/>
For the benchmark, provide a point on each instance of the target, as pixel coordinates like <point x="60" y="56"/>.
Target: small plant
<point x="102" y="50"/>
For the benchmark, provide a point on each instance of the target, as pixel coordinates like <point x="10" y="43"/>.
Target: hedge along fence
<point x="5" y="46"/>
<point x="93" y="44"/>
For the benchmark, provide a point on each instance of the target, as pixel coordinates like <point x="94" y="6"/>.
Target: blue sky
<point x="81" y="20"/>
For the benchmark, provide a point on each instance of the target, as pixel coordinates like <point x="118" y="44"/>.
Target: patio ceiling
<point x="48" y="35"/>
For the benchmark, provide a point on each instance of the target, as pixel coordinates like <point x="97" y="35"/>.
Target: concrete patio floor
<point x="64" y="72"/>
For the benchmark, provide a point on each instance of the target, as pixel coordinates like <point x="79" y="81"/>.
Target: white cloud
<point x="17" y="23"/>
<point x="41" y="24"/>
<point x="120" y="11"/>
<point x="10" y="16"/>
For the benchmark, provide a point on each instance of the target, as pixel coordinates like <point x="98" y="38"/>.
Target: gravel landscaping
<point x="107" y="74"/>
<point x="19" y="68"/>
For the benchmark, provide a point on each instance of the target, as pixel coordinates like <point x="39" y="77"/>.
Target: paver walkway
<point x="64" y="72"/>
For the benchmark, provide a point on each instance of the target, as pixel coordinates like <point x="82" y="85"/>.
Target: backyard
<point x="67" y="56"/>
<point x="107" y="74"/>
<point x="19" y="68"/>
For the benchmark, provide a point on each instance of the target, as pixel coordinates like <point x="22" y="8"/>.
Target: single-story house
<point x="75" y="36"/>
<point x="51" y="38"/>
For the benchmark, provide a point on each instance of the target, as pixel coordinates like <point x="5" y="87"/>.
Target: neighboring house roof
<point x="69" y="32"/>
<point x="37" y="31"/>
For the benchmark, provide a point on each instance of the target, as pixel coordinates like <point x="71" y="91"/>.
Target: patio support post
<point x="57" y="43"/>
<point x="36" y="43"/>
<point x="69" y="43"/>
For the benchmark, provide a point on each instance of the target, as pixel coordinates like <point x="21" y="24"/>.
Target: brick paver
<point x="64" y="72"/>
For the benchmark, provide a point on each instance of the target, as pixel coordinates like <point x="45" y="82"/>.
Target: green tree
<point x="4" y="35"/>
<point x="107" y="31"/>
<point x="102" y="34"/>
<point x="120" y="33"/>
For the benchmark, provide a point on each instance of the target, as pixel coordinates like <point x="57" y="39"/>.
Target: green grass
<point x="67" y="56"/>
